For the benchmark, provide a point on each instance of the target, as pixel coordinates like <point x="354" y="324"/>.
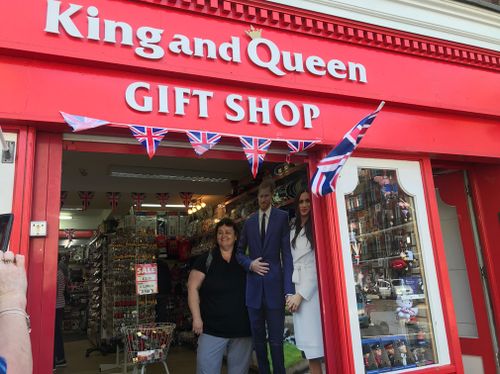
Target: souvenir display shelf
<point x="122" y="306"/>
<point x="96" y="248"/>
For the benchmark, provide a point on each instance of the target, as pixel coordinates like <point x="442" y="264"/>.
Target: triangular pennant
<point x="149" y="137"/>
<point x="163" y="198"/>
<point x="64" y="195"/>
<point x="186" y="198"/>
<point x="113" y="198"/>
<point x="296" y="146"/>
<point x="86" y="196"/>
<point x="202" y="141"/>
<point x="79" y="123"/>
<point x="138" y="198"/>
<point x="255" y="149"/>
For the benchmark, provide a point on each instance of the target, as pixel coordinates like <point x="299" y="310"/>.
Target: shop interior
<point x="123" y="210"/>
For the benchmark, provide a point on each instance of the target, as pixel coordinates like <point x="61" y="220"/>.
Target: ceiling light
<point x="72" y="208"/>
<point x="190" y="211"/>
<point x="185" y="178"/>
<point x="65" y="217"/>
<point x="203" y="204"/>
<point x="198" y="206"/>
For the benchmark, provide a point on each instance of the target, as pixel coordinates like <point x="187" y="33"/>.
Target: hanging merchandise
<point x="138" y="199"/>
<point x="79" y="123"/>
<point x="163" y="198"/>
<point x="149" y="137"/>
<point x="255" y="150"/>
<point x="64" y="195"/>
<point x="113" y="198"/>
<point x="186" y="198"/>
<point x="203" y="141"/>
<point x="86" y="196"/>
<point x="324" y="179"/>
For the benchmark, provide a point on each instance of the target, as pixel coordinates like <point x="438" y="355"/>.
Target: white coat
<point x="307" y="320"/>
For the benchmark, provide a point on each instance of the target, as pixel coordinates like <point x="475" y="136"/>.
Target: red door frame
<point x="46" y="188"/>
<point x="452" y="192"/>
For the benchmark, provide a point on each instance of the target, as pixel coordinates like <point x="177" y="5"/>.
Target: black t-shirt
<point x="222" y="297"/>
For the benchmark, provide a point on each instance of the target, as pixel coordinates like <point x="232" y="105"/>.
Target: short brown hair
<point x="267" y="183"/>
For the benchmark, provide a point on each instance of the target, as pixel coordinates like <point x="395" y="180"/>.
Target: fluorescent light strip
<point x="65" y="217"/>
<point x="159" y="205"/>
<point x="121" y="174"/>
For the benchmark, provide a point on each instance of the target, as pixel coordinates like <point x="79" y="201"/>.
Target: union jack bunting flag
<point x="324" y="179"/>
<point x="202" y="141"/>
<point x="255" y="149"/>
<point x="86" y="196"/>
<point x="79" y="123"/>
<point x="113" y="198"/>
<point x="163" y="198"/>
<point x="69" y="233"/>
<point x="137" y="199"/>
<point x="186" y="198"/>
<point x="64" y="195"/>
<point x="300" y="145"/>
<point x="149" y="137"/>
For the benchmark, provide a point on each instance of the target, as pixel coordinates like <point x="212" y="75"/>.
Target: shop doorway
<point x="130" y="228"/>
<point x="466" y="271"/>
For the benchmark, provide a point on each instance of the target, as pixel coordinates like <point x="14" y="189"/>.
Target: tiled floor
<point x="181" y="360"/>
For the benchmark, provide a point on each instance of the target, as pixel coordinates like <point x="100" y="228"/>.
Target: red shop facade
<point x="191" y="65"/>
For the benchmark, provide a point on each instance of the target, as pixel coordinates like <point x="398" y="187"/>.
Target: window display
<point x="396" y="317"/>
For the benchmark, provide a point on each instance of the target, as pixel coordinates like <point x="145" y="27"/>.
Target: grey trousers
<point x="211" y="350"/>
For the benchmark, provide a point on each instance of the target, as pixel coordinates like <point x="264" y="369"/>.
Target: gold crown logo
<point x="254" y="33"/>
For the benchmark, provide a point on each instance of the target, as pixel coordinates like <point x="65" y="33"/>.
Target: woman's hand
<point x="197" y="326"/>
<point x="293" y="302"/>
<point x="13" y="282"/>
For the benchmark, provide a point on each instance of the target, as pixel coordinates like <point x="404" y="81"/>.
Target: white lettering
<point x="353" y="67"/>
<point x="311" y="112"/>
<point x="253" y="109"/>
<point x="233" y="47"/>
<point x="181" y="100"/>
<point x="55" y="17"/>
<point x="313" y="63"/>
<point x="203" y="102"/>
<point x="298" y="64"/>
<point x="211" y="48"/>
<point x="162" y="99"/>
<point x="110" y="30"/>
<point x="180" y="44"/>
<point x="336" y="69"/>
<point x="274" y="53"/>
<point x="278" y="113"/>
<point x="148" y="37"/>
<point x="94" y="29"/>
<point x="130" y="97"/>
<point x="231" y="102"/>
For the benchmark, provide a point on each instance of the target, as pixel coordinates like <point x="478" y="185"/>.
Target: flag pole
<point x="382" y="103"/>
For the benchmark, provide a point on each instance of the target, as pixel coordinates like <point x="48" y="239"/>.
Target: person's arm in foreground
<point x="16" y="345"/>
<point x="194" y="283"/>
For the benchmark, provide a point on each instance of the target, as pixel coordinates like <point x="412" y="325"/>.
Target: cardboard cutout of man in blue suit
<point x="269" y="267"/>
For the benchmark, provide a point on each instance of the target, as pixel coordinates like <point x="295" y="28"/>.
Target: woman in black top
<point x="216" y="297"/>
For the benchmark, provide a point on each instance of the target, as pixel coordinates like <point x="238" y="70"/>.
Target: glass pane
<point x="393" y="308"/>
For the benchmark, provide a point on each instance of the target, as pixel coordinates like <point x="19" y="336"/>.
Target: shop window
<point x="389" y="257"/>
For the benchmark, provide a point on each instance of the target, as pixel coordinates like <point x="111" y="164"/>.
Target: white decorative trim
<point x="443" y="19"/>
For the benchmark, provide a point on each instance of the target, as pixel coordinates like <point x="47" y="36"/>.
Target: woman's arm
<point x="194" y="283"/>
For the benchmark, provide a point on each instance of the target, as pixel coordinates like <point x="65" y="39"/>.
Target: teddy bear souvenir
<point x="405" y="311"/>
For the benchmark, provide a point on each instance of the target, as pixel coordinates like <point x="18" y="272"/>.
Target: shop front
<point x="404" y="243"/>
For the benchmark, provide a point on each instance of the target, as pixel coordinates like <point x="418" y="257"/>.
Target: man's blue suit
<point x="265" y="295"/>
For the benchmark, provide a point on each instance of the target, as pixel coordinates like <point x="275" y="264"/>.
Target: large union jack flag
<point x="324" y="179"/>
<point x="149" y="137"/>
<point x="255" y="149"/>
<point x="79" y="123"/>
<point x="203" y="141"/>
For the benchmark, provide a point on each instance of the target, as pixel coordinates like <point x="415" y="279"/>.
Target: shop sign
<point x="149" y="43"/>
<point x="146" y="279"/>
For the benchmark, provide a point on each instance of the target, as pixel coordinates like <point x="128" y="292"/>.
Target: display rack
<point x="75" y="311"/>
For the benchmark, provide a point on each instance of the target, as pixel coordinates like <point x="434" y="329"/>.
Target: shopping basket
<point x="148" y="344"/>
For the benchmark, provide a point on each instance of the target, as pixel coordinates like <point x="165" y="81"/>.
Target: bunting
<point x="324" y="179"/>
<point x="80" y="123"/>
<point x="203" y="141"/>
<point x="255" y="150"/>
<point x="163" y="198"/>
<point x="296" y="146"/>
<point x="113" y="198"/>
<point x="85" y="197"/>
<point x="138" y="199"/>
<point x="149" y="137"/>
<point x="186" y="198"/>
<point x="64" y="195"/>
